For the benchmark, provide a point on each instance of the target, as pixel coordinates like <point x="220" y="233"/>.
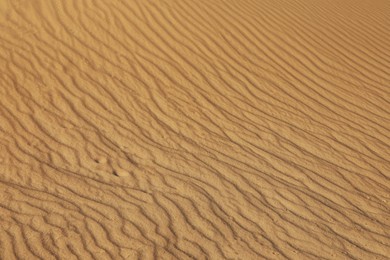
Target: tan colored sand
<point x="183" y="129"/>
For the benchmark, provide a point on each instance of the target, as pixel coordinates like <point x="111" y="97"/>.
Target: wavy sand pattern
<point x="182" y="129"/>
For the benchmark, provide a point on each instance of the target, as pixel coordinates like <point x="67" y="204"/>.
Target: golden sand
<point x="183" y="129"/>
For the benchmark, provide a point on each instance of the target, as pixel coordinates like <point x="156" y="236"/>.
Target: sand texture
<point x="194" y="129"/>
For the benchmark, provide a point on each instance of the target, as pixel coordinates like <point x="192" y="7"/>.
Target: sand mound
<point x="223" y="129"/>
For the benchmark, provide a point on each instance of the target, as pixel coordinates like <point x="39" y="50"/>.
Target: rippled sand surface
<point x="183" y="129"/>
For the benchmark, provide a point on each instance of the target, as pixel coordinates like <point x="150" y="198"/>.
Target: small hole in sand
<point x="120" y="173"/>
<point x="101" y="160"/>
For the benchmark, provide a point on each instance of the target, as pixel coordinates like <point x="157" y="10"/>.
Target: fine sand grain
<point x="194" y="129"/>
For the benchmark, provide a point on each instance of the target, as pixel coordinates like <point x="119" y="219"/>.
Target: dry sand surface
<point x="194" y="129"/>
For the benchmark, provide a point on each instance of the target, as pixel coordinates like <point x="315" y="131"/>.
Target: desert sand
<point x="183" y="129"/>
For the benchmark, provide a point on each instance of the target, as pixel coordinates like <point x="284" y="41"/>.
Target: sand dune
<point x="181" y="129"/>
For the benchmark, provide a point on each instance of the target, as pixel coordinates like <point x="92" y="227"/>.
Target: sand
<point x="183" y="129"/>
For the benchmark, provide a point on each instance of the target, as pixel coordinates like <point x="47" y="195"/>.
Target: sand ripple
<point x="181" y="129"/>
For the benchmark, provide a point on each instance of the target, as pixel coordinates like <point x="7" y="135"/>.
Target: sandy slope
<point x="223" y="129"/>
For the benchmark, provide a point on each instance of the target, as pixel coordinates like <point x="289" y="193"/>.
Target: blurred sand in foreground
<point x="183" y="129"/>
